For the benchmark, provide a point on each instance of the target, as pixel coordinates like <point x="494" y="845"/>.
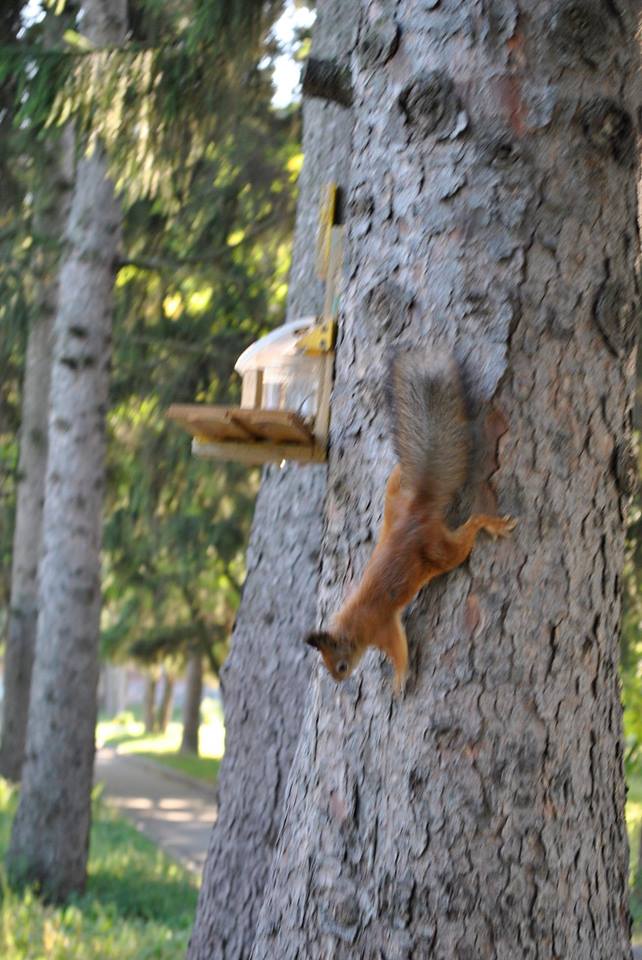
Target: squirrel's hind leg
<point x="396" y="499"/>
<point x="459" y="543"/>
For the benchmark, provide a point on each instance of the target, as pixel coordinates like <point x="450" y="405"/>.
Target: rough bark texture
<point x="480" y="815"/>
<point x="51" y="209"/>
<point x="266" y="676"/>
<point x="192" y="708"/>
<point x="50" y="834"/>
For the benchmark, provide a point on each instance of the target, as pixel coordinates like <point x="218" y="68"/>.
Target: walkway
<point x="173" y="811"/>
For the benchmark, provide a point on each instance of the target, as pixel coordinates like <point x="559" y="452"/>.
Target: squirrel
<point x="434" y="439"/>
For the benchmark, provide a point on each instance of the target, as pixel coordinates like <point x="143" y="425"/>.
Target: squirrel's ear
<point x="319" y="639"/>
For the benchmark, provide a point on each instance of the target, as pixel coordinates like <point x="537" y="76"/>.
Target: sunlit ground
<point x="128" y="734"/>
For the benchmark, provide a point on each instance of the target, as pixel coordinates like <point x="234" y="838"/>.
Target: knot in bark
<point x="388" y="304"/>
<point x="430" y="103"/>
<point x="609" y="129"/>
<point x="346" y="912"/>
<point x="583" y="29"/>
<point x="615" y="318"/>
<point x="379" y="43"/>
<point x="498" y="149"/>
<point x="626" y="468"/>
<point x="360" y="202"/>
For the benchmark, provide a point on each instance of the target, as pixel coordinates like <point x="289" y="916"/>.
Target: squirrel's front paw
<point x="501" y="526"/>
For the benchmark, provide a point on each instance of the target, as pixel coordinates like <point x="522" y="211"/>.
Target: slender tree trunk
<point x="266" y="675"/>
<point x="51" y="209"/>
<point x="23" y="611"/>
<point x="149" y="703"/>
<point x="480" y="815"/>
<point x="166" y="701"/>
<point x="192" y="708"/>
<point x="50" y="836"/>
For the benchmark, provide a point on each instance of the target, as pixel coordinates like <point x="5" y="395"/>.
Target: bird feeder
<point x="286" y="381"/>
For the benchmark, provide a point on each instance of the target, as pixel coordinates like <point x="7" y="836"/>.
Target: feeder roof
<point x="274" y="347"/>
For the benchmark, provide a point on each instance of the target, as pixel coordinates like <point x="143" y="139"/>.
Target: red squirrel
<point x="433" y="439"/>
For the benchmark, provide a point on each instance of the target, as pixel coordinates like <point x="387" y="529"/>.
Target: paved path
<point x="174" y="813"/>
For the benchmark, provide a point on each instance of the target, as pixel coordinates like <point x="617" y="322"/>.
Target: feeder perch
<point x="285" y="400"/>
<point x="286" y="379"/>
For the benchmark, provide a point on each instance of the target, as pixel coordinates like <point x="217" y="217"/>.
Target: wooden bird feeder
<point x="286" y="381"/>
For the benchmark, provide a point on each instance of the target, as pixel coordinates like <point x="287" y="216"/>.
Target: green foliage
<point x="37" y="76"/>
<point x="208" y="171"/>
<point x="634" y="825"/>
<point x="631" y="641"/>
<point x="187" y="72"/>
<point x="138" y="905"/>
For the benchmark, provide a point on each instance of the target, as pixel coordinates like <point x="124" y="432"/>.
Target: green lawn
<point x="634" y="823"/>
<point x="139" y="905"/>
<point x="128" y="734"/>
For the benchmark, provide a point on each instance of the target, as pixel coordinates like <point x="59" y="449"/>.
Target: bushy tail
<point x="433" y="434"/>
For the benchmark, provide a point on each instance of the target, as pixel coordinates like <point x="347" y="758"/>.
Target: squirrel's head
<point x="340" y="654"/>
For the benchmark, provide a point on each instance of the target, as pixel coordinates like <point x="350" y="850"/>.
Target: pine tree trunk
<point x="51" y="209"/>
<point x="493" y="201"/>
<point x="149" y="703"/>
<point x="50" y="836"/>
<point x="192" y="708"/>
<point x="166" y="702"/>
<point x="266" y="676"/>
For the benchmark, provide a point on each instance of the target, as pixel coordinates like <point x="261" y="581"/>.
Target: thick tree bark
<point x="51" y="209"/>
<point x="192" y="708"/>
<point x="149" y="703"/>
<point x="480" y="815"/>
<point x="266" y="675"/>
<point x="166" y="702"/>
<point x="50" y="835"/>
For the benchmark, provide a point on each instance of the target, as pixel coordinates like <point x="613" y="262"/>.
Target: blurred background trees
<point x="205" y="170"/>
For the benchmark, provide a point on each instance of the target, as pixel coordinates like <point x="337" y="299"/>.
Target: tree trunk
<point x="51" y="209"/>
<point x="50" y="835"/>
<point x="192" y="708"/>
<point x="493" y="201"/>
<point x="167" y="699"/>
<point x="266" y="676"/>
<point x="149" y="703"/>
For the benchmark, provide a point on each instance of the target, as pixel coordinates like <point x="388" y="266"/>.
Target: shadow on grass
<point x="130" y="875"/>
<point x="138" y="897"/>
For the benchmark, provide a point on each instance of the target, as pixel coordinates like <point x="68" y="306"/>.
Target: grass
<point x="634" y="824"/>
<point x="128" y="734"/>
<point x="138" y="905"/>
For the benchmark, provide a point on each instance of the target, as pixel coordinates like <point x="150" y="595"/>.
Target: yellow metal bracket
<point x="320" y="339"/>
<point x="327" y="220"/>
